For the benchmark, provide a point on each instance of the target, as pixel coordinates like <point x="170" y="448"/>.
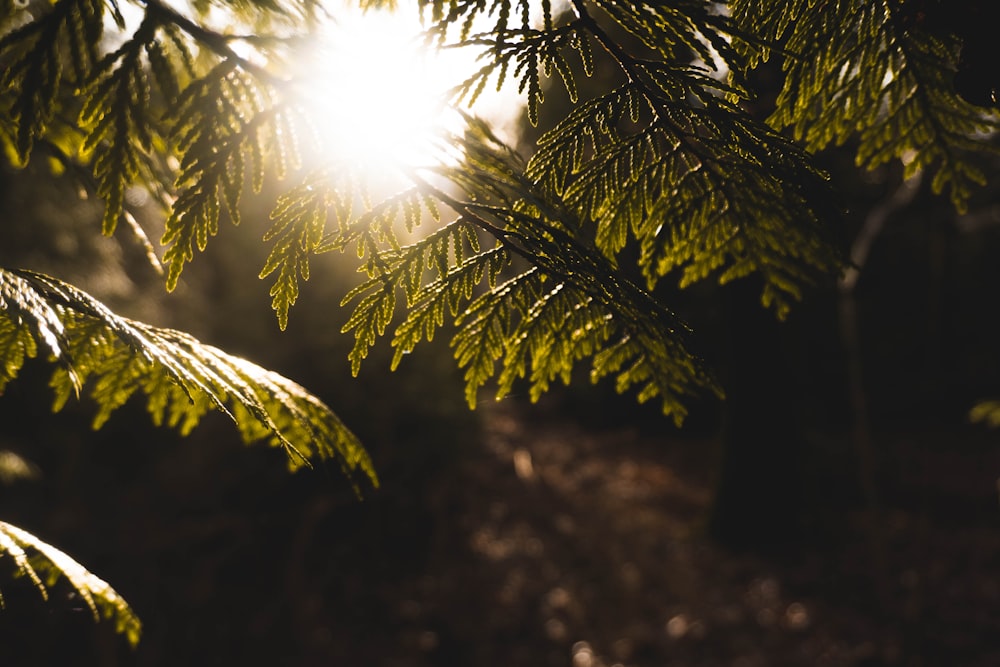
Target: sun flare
<point x="377" y="94"/>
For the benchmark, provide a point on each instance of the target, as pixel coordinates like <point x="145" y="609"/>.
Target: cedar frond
<point x="452" y="255"/>
<point x="378" y="223"/>
<point x="43" y="564"/>
<point x="16" y="346"/>
<point x="568" y="306"/>
<point x="669" y="159"/>
<point x="111" y="358"/>
<point x="526" y="55"/>
<point x="444" y="297"/>
<point x="116" y="120"/>
<point x="299" y="229"/>
<point x="34" y="58"/>
<point x="861" y="69"/>
<point x="463" y="14"/>
<point x="391" y="266"/>
<point x="225" y="127"/>
<point x="579" y="301"/>
<point x="263" y="12"/>
<point x="485" y="329"/>
<point x="699" y="187"/>
<point x="679" y="31"/>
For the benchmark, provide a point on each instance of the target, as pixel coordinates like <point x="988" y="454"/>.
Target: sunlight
<point x="377" y="94"/>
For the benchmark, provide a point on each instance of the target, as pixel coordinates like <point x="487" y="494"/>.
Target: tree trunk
<point x="759" y="477"/>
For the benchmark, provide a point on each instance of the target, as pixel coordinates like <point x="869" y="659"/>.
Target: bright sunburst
<point x="377" y="93"/>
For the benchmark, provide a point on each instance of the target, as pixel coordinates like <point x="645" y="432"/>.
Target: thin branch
<point x="216" y="41"/>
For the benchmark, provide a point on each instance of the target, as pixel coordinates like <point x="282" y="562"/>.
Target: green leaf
<point x="886" y="80"/>
<point x="43" y="564"/>
<point x="224" y="126"/>
<point x="111" y="358"/>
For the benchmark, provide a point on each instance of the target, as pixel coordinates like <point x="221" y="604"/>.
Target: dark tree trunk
<point x="759" y="478"/>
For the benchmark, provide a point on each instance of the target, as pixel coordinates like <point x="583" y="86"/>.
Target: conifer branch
<point x="673" y="164"/>
<point x="888" y="81"/>
<point x="218" y="42"/>
<point x="569" y="306"/>
<point x="43" y="565"/>
<point x="111" y="358"/>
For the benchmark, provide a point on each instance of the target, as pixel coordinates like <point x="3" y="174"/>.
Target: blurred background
<point x="841" y="509"/>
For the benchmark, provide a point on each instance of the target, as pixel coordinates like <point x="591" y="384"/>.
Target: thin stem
<point x="216" y="41"/>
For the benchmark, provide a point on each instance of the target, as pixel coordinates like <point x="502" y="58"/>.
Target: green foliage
<point x="888" y="79"/>
<point x="44" y="565"/>
<point x="533" y="53"/>
<point x="567" y="304"/>
<point x="670" y="185"/>
<point x="217" y="144"/>
<point x="36" y="55"/>
<point x="110" y="358"/>
<point x="300" y="228"/>
<point x="667" y="161"/>
<point x="173" y="109"/>
<point x="987" y="412"/>
<point x="657" y="172"/>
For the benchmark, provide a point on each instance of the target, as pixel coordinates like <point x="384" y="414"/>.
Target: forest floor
<point x="537" y="538"/>
<point x="563" y="545"/>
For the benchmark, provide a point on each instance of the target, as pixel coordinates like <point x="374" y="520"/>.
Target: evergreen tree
<point x="531" y="266"/>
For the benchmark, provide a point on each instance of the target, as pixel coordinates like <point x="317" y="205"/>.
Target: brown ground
<point x="544" y="542"/>
<point x="565" y="546"/>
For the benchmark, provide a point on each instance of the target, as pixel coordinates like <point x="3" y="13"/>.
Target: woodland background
<point x="575" y="531"/>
